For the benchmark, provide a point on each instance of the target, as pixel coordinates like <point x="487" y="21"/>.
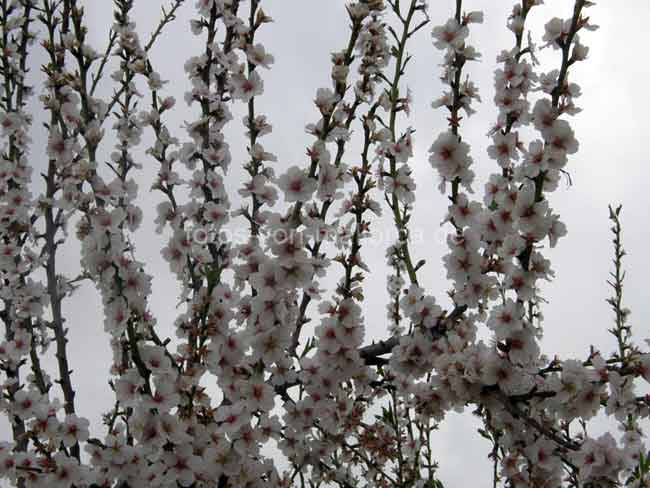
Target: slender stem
<point x="398" y="216"/>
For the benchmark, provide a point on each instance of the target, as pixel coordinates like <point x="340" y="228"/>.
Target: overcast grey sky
<point x="610" y="167"/>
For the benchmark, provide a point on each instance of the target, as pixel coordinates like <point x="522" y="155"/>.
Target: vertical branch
<point x="401" y="217"/>
<point x="255" y="164"/>
<point x="15" y="223"/>
<point x="52" y="222"/>
<point x="328" y="125"/>
<point x="556" y="94"/>
<point x="621" y="331"/>
<point x="459" y="62"/>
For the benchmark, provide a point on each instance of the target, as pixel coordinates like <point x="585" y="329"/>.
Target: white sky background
<point x="610" y="167"/>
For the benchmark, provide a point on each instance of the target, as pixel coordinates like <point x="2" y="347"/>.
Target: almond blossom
<point x="268" y="377"/>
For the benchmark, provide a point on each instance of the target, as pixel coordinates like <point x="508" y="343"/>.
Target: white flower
<point x="232" y="417"/>
<point x="256" y="395"/>
<point x="560" y="139"/>
<point x="182" y="464"/>
<point x="164" y="397"/>
<point x="61" y="149"/>
<point x="74" y="430"/>
<point x="555" y="31"/>
<point x="127" y="386"/>
<point x="258" y="56"/>
<point x="410" y="299"/>
<point x="297" y="185"/>
<point x="450" y="36"/>
<point x="463" y="211"/>
<point x="449" y="156"/>
<point x="326" y="100"/>
<point x="523" y="348"/>
<point x="10" y="123"/>
<point x="542" y="454"/>
<point x="154" y="358"/>
<point x="402" y="150"/>
<point x="506" y="319"/>
<point x="427" y="312"/>
<point x="536" y="159"/>
<point x="25" y="403"/>
<point x="204" y="7"/>
<point x="328" y="335"/>
<point x="330" y="179"/>
<point x="402" y="185"/>
<point x="504" y="148"/>
<point x="215" y="213"/>
<point x="557" y="230"/>
<point x="244" y="88"/>
<point x="67" y="472"/>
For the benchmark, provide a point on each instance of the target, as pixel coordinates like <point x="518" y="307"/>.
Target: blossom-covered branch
<point x="247" y="392"/>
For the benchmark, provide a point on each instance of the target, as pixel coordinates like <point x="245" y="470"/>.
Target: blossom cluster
<point x="495" y="256"/>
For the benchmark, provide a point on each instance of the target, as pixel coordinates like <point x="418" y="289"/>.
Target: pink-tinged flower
<point x="504" y="148"/>
<point x="402" y="185"/>
<point x="522" y="282"/>
<point x="560" y="140"/>
<point x="326" y="100"/>
<point x="544" y="115"/>
<point x="205" y="6"/>
<point x="215" y="213"/>
<point x="164" y="398"/>
<point x="427" y="312"/>
<point x="256" y="395"/>
<point x="232" y="417"/>
<point x="557" y="230"/>
<point x="402" y="150"/>
<point x="61" y="149"/>
<point x="182" y="464"/>
<point x="67" y="472"/>
<point x="297" y="185"/>
<point x="330" y="179"/>
<point x="410" y="299"/>
<point x="328" y="335"/>
<point x="506" y="319"/>
<point x="10" y="122"/>
<point x="463" y="211"/>
<point x="535" y="160"/>
<point x="542" y="454"/>
<point x="555" y="32"/>
<point x="25" y="403"/>
<point x="258" y="56"/>
<point x="154" y="358"/>
<point x="450" y="36"/>
<point x="449" y="155"/>
<point x="74" y="430"/>
<point x="522" y="347"/>
<point x="244" y="88"/>
<point x="127" y="387"/>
